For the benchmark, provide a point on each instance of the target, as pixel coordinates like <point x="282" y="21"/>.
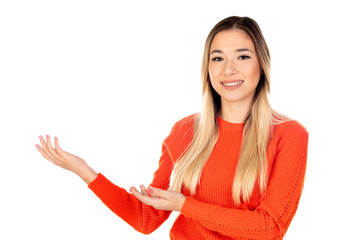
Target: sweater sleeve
<point x="272" y="217"/>
<point x="141" y="217"/>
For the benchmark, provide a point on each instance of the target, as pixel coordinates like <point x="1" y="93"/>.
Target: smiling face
<point x="234" y="69"/>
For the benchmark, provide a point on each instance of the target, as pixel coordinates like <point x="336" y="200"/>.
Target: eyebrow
<point x="237" y="50"/>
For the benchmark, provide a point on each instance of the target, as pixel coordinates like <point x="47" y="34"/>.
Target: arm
<point x="274" y="213"/>
<point x="272" y="217"/>
<point x="143" y="218"/>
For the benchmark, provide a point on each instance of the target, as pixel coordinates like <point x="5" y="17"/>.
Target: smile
<point x="232" y="83"/>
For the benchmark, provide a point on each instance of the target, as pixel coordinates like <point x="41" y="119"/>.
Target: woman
<point x="233" y="171"/>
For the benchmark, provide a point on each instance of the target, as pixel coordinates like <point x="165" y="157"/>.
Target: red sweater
<point x="211" y="213"/>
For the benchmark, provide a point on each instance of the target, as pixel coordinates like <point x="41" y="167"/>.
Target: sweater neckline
<point x="229" y="125"/>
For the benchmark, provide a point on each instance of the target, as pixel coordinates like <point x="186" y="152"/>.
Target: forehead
<point x="232" y="39"/>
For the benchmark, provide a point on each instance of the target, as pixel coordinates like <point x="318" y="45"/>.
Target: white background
<point x="110" y="78"/>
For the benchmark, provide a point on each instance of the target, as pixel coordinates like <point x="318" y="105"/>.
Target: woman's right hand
<point x="65" y="160"/>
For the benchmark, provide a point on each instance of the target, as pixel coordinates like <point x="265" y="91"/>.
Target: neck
<point x="234" y="112"/>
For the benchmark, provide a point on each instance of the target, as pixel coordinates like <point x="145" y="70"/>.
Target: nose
<point x="230" y="68"/>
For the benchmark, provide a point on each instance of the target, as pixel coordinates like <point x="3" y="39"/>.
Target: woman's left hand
<point x="159" y="199"/>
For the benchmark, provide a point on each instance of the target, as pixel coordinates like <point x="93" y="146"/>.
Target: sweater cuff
<point x="191" y="208"/>
<point x="101" y="185"/>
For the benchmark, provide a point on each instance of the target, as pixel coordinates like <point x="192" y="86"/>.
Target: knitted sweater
<point x="211" y="213"/>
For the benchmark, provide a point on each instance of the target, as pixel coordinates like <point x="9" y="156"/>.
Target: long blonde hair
<point x="258" y="125"/>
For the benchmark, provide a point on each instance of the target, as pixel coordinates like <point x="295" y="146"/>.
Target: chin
<point x="236" y="99"/>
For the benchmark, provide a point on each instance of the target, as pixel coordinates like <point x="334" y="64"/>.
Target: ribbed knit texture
<point x="212" y="213"/>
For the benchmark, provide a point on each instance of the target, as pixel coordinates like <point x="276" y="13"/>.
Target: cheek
<point x="211" y="75"/>
<point x="212" y="83"/>
<point x="213" y="71"/>
<point x="253" y="73"/>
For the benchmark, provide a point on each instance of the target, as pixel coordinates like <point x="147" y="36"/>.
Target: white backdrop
<point x="110" y="78"/>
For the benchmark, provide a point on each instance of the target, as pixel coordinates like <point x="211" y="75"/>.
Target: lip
<point x="232" y="81"/>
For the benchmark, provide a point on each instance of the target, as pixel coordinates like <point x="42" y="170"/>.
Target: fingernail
<point x="150" y="190"/>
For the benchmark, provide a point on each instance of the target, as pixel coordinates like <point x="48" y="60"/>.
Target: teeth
<point x="233" y="84"/>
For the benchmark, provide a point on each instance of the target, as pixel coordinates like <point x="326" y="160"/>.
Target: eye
<point x="217" y="59"/>
<point x="243" y="57"/>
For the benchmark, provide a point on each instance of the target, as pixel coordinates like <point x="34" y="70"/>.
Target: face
<point x="234" y="68"/>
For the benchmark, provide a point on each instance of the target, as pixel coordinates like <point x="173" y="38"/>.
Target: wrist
<point x="182" y="201"/>
<point x="87" y="174"/>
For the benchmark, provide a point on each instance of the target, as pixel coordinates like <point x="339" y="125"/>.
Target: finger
<point x="45" y="147"/>
<point x="50" y="147"/>
<point x="149" y="191"/>
<point x="143" y="191"/>
<point x="158" y="203"/>
<point x="57" y="147"/>
<point x="157" y="192"/>
<point x="43" y="153"/>
<point x="146" y="191"/>
<point x="48" y="142"/>
<point x="134" y="191"/>
<point x="139" y="195"/>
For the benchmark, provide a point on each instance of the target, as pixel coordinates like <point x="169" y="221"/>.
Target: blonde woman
<point x="233" y="171"/>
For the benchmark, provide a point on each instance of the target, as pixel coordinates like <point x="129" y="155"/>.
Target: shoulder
<point x="180" y="136"/>
<point x="184" y="125"/>
<point x="290" y="135"/>
<point x="290" y="128"/>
